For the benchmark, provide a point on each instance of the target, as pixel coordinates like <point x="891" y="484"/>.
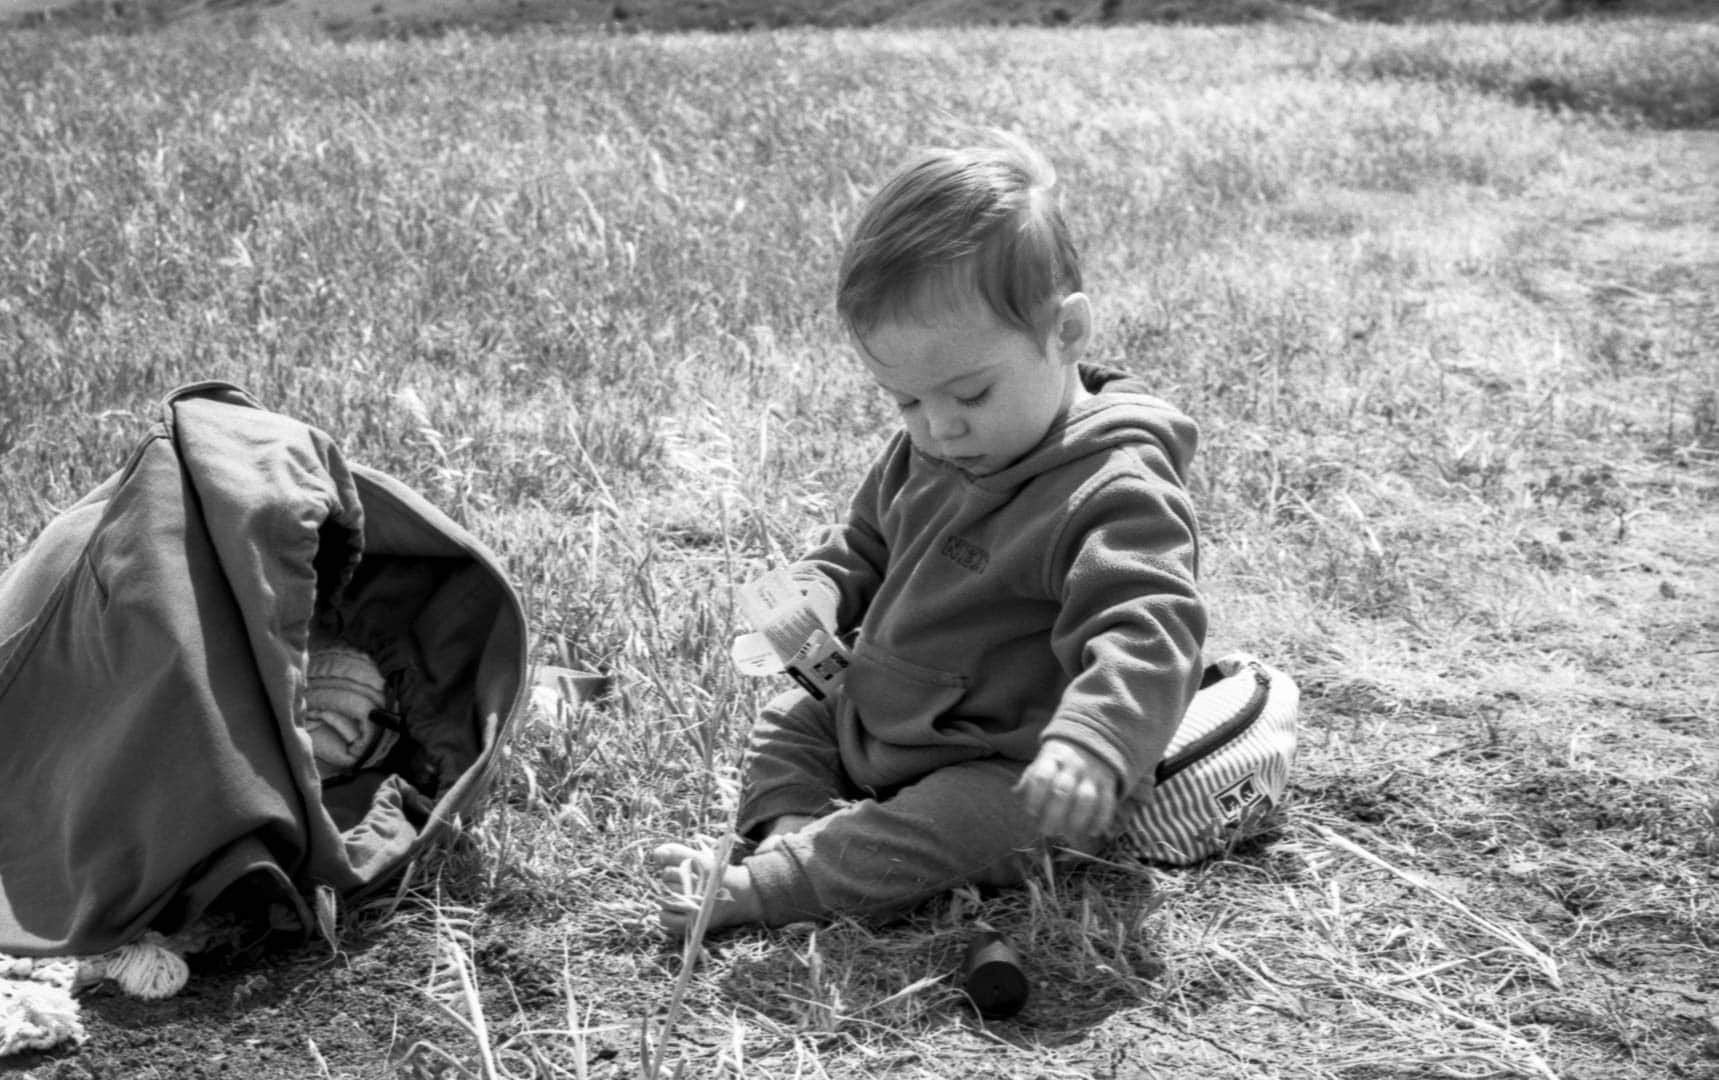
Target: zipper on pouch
<point x="1222" y="735"/>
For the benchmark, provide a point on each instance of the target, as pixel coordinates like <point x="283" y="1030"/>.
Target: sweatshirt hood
<point x="1120" y="413"/>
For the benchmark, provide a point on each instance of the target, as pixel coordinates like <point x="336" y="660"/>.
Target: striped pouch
<point x="1226" y="768"/>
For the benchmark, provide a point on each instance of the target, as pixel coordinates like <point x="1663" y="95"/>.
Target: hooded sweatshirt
<point x="1056" y="598"/>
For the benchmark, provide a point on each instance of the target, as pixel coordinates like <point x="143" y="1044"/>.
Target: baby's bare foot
<point x="682" y="872"/>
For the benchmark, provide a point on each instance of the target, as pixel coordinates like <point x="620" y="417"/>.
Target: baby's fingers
<point x="1034" y="788"/>
<point x="1059" y="808"/>
<point x="1087" y="812"/>
<point x="1092" y="812"/>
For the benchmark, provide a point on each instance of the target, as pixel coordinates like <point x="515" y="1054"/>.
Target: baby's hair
<point x="954" y="223"/>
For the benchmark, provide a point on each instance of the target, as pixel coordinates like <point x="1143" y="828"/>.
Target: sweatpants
<point x="872" y="853"/>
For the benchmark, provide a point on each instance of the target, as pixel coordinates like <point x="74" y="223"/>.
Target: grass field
<point x="1453" y="344"/>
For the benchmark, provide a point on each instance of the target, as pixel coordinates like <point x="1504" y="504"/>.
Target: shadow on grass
<point x="1084" y="937"/>
<point x="1658" y="79"/>
<point x="275" y="1008"/>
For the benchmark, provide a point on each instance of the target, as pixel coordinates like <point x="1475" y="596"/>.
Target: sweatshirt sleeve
<point x="842" y="573"/>
<point x="1132" y="622"/>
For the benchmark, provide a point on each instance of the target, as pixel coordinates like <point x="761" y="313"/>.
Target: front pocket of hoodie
<point x="899" y="701"/>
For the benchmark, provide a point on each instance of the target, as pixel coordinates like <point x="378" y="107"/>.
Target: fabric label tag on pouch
<point x="787" y="637"/>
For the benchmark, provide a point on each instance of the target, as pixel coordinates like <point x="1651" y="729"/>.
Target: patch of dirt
<point x="1614" y="878"/>
<point x="288" y="1014"/>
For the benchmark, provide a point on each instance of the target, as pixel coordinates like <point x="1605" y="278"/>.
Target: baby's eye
<point x="906" y="403"/>
<point x="976" y="399"/>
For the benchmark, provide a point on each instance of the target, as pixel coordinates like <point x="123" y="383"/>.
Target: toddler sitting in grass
<point x="1019" y="564"/>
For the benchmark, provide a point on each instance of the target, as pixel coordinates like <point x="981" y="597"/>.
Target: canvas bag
<point x="154" y="756"/>
<point x="1227" y="765"/>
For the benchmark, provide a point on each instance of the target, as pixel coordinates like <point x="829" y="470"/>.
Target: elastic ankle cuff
<point x="784" y="893"/>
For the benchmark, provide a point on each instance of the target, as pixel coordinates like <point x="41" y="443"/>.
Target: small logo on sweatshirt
<point x="965" y="554"/>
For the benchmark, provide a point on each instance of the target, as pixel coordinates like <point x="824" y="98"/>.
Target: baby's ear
<point x="1073" y="327"/>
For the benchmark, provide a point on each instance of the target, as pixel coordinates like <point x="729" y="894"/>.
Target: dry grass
<point x="1627" y="70"/>
<point x="402" y="18"/>
<point x="1454" y="359"/>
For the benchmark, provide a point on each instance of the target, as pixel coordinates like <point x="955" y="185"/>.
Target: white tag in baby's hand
<point x="754" y="655"/>
<point x="788" y="636"/>
<point x="768" y="598"/>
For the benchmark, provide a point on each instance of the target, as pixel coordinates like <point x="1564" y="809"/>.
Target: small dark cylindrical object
<point x="993" y="977"/>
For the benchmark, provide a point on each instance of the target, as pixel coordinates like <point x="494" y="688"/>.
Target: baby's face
<point x="973" y="390"/>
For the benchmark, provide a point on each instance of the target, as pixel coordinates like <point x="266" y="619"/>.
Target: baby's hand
<point x="1070" y="791"/>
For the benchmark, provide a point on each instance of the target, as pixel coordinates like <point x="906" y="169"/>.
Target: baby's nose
<point x="944" y="424"/>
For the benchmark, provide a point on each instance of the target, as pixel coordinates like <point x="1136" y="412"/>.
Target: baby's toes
<point x="676" y="921"/>
<point x="664" y="856"/>
<point x="680" y="869"/>
<point x="680" y="881"/>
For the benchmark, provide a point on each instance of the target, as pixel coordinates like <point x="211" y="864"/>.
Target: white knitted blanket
<point x="38" y="1004"/>
<point x="37" y="1010"/>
